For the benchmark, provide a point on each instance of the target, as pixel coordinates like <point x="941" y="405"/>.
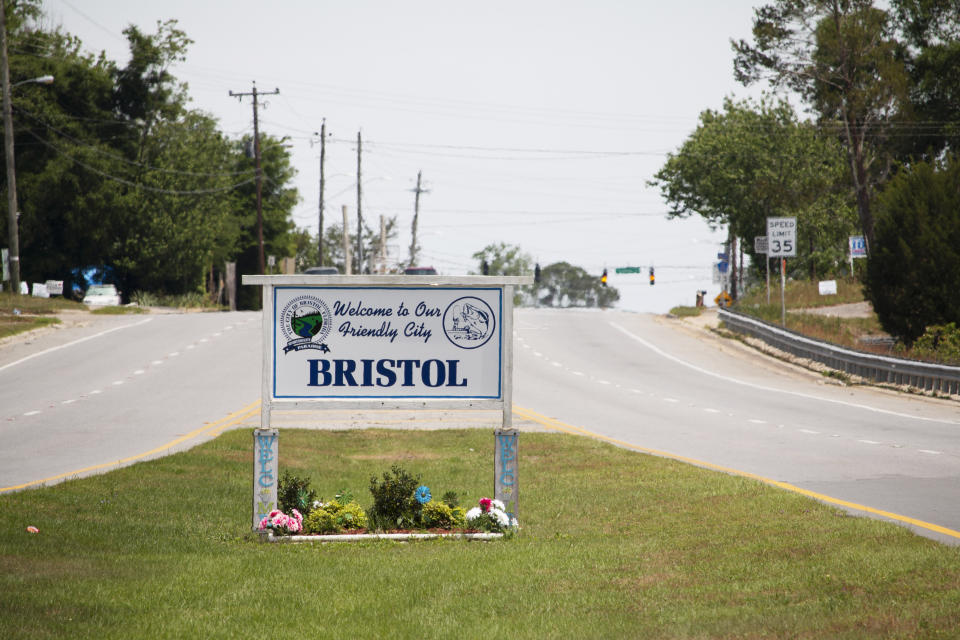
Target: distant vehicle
<point x="102" y="295"/>
<point x="322" y="271"/>
<point x="420" y="271"/>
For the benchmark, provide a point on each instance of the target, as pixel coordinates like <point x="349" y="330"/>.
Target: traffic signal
<point x="652" y="279"/>
<point x="485" y="268"/>
<point x="603" y="278"/>
<point x="536" y="273"/>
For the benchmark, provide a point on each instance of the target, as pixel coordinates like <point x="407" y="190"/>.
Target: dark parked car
<point x="322" y="271"/>
<point x="420" y="271"/>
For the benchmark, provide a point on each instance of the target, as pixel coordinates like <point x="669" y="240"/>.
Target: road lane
<point x="639" y="379"/>
<point x="125" y="392"/>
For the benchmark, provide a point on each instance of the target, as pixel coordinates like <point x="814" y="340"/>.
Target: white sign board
<point x="40" y="290"/>
<point x="858" y="247"/>
<point x="380" y="342"/>
<point x="55" y="287"/>
<point x="781" y="237"/>
<point x="760" y="244"/>
<point x="828" y="287"/>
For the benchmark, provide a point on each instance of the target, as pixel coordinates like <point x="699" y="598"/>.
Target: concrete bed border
<point x="360" y="537"/>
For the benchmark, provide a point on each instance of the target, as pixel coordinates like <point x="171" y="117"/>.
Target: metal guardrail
<point x="921" y="375"/>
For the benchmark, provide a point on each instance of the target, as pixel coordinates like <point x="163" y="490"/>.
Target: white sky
<point x="535" y="122"/>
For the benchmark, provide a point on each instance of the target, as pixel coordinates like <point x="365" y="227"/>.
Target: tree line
<point x="114" y="169"/>
<point x="877" y="157"/>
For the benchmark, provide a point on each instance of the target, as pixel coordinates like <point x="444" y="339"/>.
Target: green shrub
<point x="437" y="515"/>
<point x="451" y="499"/>
<point x="334" y="517"/>
<point x="394" y="506"/>
<point x="939" y="342"/>
<point x="295" y="493"/>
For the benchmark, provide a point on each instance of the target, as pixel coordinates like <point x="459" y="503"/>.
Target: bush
<point x="438" y="515"/>
<point x="914" y="263"/>
<point x="940" y="343"/>
<point x="334" y="517"/>
<point x="394" y="505"/>
<point x="295" y="493"/>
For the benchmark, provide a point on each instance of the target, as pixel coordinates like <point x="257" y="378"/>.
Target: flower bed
<point x="403" y="509"/>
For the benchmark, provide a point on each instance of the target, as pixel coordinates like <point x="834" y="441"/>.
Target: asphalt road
<point x="657" y="384"/>
<point x="104" y="388"/>
<point x="110" y="390"/>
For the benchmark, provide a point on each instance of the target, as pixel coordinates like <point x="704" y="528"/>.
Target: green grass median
<point x="613" y="544"/>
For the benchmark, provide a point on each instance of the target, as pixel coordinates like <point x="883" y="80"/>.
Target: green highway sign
<point x="628" y="270"/>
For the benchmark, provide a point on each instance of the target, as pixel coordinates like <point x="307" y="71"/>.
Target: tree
<point x="914" y="271"/>
<point x="570" y="286"/>
<point x="503" y="259"/>
<point x="750" y="162"/>
<point x="841" y="57"/>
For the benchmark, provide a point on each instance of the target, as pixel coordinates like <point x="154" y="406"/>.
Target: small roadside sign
<point x="723" y="299"/>
<point x="781" y="237"/>
<point x="858" y="247"/>
<point x="760" y="244"/>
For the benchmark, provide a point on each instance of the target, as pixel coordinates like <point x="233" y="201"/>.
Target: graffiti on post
<point x="506" y="483"/>
<point x="265" y="473"/>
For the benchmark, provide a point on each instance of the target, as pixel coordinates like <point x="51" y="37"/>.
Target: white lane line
<point x="173" y="354"/>
<point x="157" y="362"/>
<point x="869" y="441"/>
<point x="757" y="421"/>
<point x="70" y="344"/>
<point x="31" y="413"/>
<point x="709" y="410"/>
<point x="71" y="401"/>
<point x="577" y="373"/>
<point x="761" y="387"/>
<point x="204" y="340"/>
<point x="670" y="400"/>
<point x="810" y="431"/>
<point x="537" y="353"/>
<point x="557" y="364"/>
<point x="931" y="452"/>
<point x="603" y="381"/>
<point x="95" y="392"/>
<point x="190" y="346"/>
<point x="139" y="372"/>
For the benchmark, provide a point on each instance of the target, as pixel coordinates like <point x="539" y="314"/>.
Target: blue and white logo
<point x="305" y="323"/>
<point x="469" y="322"/>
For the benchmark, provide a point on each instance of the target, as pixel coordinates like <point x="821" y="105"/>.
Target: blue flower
<point x="422" y="494"/>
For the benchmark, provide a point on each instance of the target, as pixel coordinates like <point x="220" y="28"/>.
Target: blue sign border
<point x="499" y="331"/>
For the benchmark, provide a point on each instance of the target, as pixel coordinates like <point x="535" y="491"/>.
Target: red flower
<point x="485" y="504"/>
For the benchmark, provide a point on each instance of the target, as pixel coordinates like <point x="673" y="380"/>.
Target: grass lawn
<point x="614" y="544"/>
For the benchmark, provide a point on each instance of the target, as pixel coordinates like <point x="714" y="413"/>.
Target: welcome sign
<point x="387" y="342"/>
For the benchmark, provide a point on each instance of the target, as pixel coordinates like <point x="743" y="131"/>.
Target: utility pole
<point x="383" y="244"/>
<point x="323" y="153"/>
<point x="256" y="154"/>
<point x="13" y="232"/>
<point x="414" y="248"/>
<point x="359" y="208"/>
<point x="346" y="243"/>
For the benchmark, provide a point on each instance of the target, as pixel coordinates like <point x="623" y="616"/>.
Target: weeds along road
<point x="651" y="382"/>
<point x="111" y="387"/>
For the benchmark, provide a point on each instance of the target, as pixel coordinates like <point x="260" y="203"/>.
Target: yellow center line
<point x="533" y="416"/>
<point x="212" y="429"/>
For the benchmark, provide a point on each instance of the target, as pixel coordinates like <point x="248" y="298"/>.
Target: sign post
<point x="760" y="246"/>
<point x="782" y="243"/>
<point x="858" y="249"/>
<point x="392" y="342"/>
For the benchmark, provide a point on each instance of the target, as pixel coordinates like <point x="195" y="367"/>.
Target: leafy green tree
<point x="564" y="285"/>
<point x="748" y="163"/>
<point x="503" y="260"/>
<point x="914" y="270"/>
<point x="841" y="56"/>
<point x="930" y="34"/>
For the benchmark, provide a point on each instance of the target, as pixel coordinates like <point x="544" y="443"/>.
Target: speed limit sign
<point x="781" y="237"/>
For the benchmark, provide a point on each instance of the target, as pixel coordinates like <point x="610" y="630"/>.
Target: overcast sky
<point x="535" y="122"/>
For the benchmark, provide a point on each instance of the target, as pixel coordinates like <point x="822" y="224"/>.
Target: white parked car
<point x="102" y="295"/>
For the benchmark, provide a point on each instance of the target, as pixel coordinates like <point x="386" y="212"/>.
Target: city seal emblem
<point x="305" y="323"/>
<point x="469" y="322"/>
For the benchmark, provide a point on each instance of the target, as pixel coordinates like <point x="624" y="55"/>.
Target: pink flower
<point x="485" y="504"/>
